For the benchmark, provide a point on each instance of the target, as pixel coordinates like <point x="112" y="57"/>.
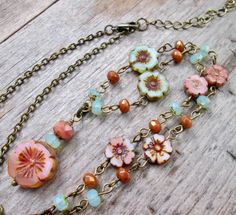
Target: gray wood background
<point x="200" y="180"/>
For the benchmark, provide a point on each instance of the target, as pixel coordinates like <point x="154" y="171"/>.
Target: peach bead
<point x="113" y="77"/>
<point x="63" y="130"/>
<point x="123" y="175"/>
<point x="186" y="121"/>
<point x="179" y="45"/>
<point x="124" y="106"/>
<point x="90" y="180"/>
<point x="177" y="56"/>
<point x="32" y="164"/>
<point x="155" y="126"/>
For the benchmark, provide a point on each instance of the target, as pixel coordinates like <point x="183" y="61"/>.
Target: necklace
<point x="154" y="142"/>
<point x="115" y="33"/>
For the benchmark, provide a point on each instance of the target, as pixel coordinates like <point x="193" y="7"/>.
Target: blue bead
<point x="60" y="202"/>
<point x="53" y="141"/>
<point x="193" y="58"/>
<point x="93" y="198"/>
<point x="204" y="101"/>
<point x="205" y="48"/>
<point x="97" y="107"/>
<point x="94" y="93"/>
<point x="202" y="54"/>
<point x="176" y="109"/>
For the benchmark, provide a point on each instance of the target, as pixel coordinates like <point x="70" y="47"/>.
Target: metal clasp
<point x="127" y="27"/>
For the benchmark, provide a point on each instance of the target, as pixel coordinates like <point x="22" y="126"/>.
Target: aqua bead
<point x="53" y="141"/>
<point x="60" y="202"/>
<point x="202" y="54"/>
<point x="93" y="198"/>
<point x="204" y="101"/>
<point x="205" y="48"/>
<point x="94" y="93"/>
<point x="176" y="109"/>
<point x="193" y="59"/>
<point x="97" y="107"/>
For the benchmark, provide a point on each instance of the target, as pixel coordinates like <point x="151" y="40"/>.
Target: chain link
<point x="40" y="98"/>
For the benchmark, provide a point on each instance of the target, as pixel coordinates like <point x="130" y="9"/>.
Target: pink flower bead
<point x="216" y="75"/>
<point x="120" y="151"/>
<point x="63" y="130"/>
<point x="195" y="85"/>
<point x="32" y="163"/>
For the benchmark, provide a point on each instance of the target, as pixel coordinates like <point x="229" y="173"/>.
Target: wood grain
<point x="198" y="180"/>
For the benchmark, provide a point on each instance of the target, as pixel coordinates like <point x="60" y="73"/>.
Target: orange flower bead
<point x="186" y="121"/>
<point x="179" y="45"/>
<point x="155" y="126"/>
<point x="177" y="56"/>
<point x="113" y="77"/>
<point x="90" y="180"/>
<point x="123" y="175"/>
<point x="124" y="106"/>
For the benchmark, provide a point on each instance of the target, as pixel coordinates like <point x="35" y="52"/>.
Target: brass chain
<point x="54" y="83"/>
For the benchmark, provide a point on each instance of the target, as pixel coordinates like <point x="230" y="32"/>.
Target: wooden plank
<point x="17" y="14"/>
<point x="198" y="180"/>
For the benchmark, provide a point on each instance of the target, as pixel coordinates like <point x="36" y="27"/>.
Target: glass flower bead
<point x="176" y="109"/>
<point x="53" y="141"/>
<point x="204" y="101"/>
<point x="143" y="58"/>
<point x="60" y="202"/>
<point x="153" y="85"/>
<point x="93" y="198"/>
<point x="31" y="164"/>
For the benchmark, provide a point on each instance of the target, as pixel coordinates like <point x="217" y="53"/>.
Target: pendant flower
<point x="32" y="163"/>
<point x="195" y="85"/>
<point x="153" y="85"/>
<point x="216" y="75"/>
<point x="157" y="149"/>
<point x="120" y="151"/>
<point x="143" y="58"/>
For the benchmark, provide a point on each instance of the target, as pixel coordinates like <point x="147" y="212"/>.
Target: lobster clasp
<point x="127" y="27"/>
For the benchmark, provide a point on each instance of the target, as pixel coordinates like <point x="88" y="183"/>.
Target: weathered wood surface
<point x="200" y="180"/>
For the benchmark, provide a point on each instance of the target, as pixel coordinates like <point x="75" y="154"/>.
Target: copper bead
<point x="90" y="180"/>
<point x="186" y="121"/>
<point x="123" y="175"/>
<point x="155" y="126"/>
<point x="177" y="56"/>
<point x="113" y="77"/>
<point x="179" y="45"/>
<point x="124" y="106"/>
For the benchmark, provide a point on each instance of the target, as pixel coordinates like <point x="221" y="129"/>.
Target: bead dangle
<point x="154" y="142"/>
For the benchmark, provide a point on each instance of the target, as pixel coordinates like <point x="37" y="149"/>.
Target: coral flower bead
<point x="155" y="126"/>
<point x="113" y="77"/>
<point x="90" y="180"/>
<point x="177" y="56"/>
<point x="124" y="106"/>
<point x="186" y="121"/>
<point x="63" y="130"/>
<point x="123" y="175"/>
<point x="32" y="163"/>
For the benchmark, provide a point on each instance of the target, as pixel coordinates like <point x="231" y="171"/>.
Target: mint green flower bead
<point x="204" y="101"/>
<point x="176" y="109"/>
<point x="53" y="141"/>
<point x="93" y="198"/>
<point x="97" y="107"/>
<point x="60" y="202"/>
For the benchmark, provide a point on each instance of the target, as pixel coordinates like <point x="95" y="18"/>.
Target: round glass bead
<point x="53" y="141"/>
<point x="176" y="109"/>
<point x="205" y="48"/>
<point x="97" y="107"/>
<point x="60" y="202"/>
<point x="94" y="93"/>
<point x="204" y="101"/>
<point x="93" y="198"/>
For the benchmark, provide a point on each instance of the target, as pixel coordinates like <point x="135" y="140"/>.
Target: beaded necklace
<point x="144" y="64"/>
<point x="152" y="145"/>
